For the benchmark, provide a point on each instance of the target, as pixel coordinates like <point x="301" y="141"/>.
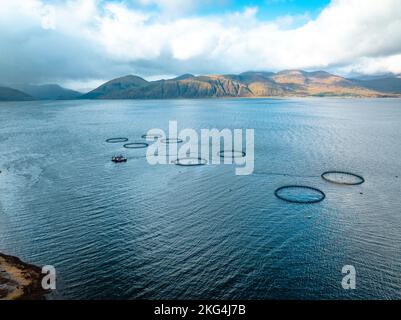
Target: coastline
<point x="386" y="97"/>
<point x="19" y="280"/>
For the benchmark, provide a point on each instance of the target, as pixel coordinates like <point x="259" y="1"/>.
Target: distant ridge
<point x="111" y="89"/>
<point x="286" y="83"/>
<point x="49" y="92"/>
<point x="9" y="94"/>
<point x="387" y="85"/>
<point x="185" y="76"/>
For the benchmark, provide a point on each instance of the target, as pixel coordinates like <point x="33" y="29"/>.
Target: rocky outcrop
<point x="19" y="280"/>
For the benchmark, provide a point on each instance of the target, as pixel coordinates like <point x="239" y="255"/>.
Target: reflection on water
<point x="138" y="231"/>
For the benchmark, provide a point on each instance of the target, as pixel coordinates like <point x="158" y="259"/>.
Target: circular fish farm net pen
<point x="171" y="140"/>
<point x="299" y="194"/>
<point x="151" y="136"/>
<point x="136" y="145"/>
<point x="231" y="154"/>
<point x="116" y="140"/>
<point x="190" y="162"/>
<point x="342" y="177"/>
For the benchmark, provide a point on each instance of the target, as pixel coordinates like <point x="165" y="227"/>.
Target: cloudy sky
<point x="81" y="43"/>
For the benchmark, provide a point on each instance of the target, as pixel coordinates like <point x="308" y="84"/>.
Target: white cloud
<point x="378" y="65"/>
<point x="88" y="39"/>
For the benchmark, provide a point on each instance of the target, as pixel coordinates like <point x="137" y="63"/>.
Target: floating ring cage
<point x="171" y="140"/>
<point x="190" y="162"/>
<point x="342" y="177"/>
<point x="136" y="145"/>
<point x="151" y="136"/>
<point x="299" y="194"/>
<point x="232" y="154"/>
<point x="116" y="140"/>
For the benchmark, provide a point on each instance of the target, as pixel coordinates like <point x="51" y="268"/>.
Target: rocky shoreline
<point x="20" y="280"/>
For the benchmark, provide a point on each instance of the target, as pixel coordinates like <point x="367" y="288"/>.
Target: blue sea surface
<point x="137" y="231"/>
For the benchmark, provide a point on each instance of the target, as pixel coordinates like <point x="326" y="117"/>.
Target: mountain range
<point x="10" y="94"/>
<point x="21" y="92"/>
<point x="287" y="83"/>
<point x="48" y="92"/>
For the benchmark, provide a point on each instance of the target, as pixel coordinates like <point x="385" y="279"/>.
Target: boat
<point x="118" y="159"/>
